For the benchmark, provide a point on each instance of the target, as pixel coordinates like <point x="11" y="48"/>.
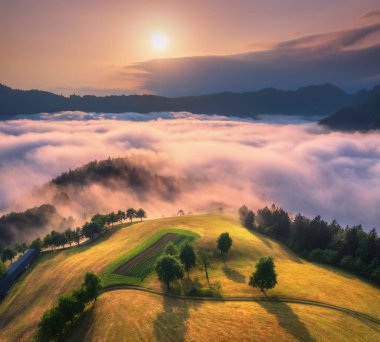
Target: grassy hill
<point x="61" y="271"/>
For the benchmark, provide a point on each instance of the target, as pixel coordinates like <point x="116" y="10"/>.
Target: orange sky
<point x="67" y="46"/>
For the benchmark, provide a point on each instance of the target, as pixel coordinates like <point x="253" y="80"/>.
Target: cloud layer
<point x="299" y="166"/>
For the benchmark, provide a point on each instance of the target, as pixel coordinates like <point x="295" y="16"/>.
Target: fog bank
<point x="221" y="163"/>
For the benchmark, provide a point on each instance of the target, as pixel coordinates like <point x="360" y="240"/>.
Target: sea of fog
<point x="290" y="161"/>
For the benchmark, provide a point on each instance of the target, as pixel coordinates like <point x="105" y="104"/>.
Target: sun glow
<point x="159" y="41"/>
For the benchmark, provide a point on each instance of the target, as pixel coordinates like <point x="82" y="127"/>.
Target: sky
<point x="104" y="47"/>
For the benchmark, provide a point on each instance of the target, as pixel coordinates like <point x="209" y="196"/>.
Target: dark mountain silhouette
<point x="312" y="100"/>
<point x="363" y="117"/>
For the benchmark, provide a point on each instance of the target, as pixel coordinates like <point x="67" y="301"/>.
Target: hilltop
<point x="315" y="100"/>
<point x="61" y="271"/>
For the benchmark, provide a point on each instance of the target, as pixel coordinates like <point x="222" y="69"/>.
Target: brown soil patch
<point x="123" y="269"/>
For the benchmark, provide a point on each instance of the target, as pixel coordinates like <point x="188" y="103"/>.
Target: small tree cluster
<point x="55" y="321"/>
<point x="171" y="265"/>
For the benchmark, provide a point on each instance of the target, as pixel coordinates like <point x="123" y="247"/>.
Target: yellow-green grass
<point x="109" y="277"/>
<point x="61" y="271"/>
<point x="123" y="316"/>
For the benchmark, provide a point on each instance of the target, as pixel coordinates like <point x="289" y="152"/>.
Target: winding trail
<point x="372" y="322"/>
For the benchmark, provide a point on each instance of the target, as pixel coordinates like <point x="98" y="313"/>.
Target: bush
<point x="195" y="289"/>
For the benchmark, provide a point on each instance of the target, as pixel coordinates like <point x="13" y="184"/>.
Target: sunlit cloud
<point x="224" y="162"/>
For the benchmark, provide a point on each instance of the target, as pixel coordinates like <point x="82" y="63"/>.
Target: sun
<point x="159" y="41"/>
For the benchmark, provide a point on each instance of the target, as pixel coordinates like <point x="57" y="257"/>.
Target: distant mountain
<point x="363" y="117"/>
<point x="312" y="100"/>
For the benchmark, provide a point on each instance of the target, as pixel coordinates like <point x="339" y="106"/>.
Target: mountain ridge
<point x="314" y="100"/>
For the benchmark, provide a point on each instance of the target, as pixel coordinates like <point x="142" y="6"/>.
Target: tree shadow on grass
<point x="170" y="323"/>
<point x="234" y="275"/>
<point x="288" y="320"/>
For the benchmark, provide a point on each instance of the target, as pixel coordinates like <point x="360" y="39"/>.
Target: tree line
<point x="71" y="236"/>
<point x="349" y="248"/>
<point x="56" y="321"/>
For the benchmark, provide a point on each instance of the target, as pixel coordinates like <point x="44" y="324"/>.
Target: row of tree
<point x="350" y="248"/>
<point x="71" y="236"/>
<point x="55" y="321"/>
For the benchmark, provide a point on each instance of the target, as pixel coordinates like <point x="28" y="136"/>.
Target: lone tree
<point x="204" y="258"/>
<point x="171" y="249"/>
<point x="265" y="276"/>
<point x="8" y="254"/>
<point x="141" y="214"/>
<point x="224" y="243"/>
<point x="92" y="284"/>
<point x="168" y="269"/>
<point x="187" y="257"/>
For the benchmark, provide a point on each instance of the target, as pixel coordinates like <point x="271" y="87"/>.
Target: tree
<point x="70" y="307"/>
<point x="3" y="269"/>
<point x="247" y="217"/>
<point x="51" y="325"/>
<point x="8" y="254"/>
<point x="120" y="216"/>
<point x="265" y="276"/>
<point x="171" y="249"/>
<point x="77" y="235"/>
<point x="92" y="284"/>
<point x="111" y="218"/>
<point x="205" y="257"/>
<point x="168" y="269"/>
<point x="21" y="247"/>
<point x="141" y="214"/>
<point x="62" y="239"/>
<point x="48" y="241"/>
<point x="91" y="228"/>
<point x="131" y="214"/>
<point x="36" y="244"/>
<point x="70" y="235"/>
<point x="187" y="257"/>
<point x="224" y="243"/>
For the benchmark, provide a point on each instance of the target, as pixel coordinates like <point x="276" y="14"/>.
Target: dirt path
<point x="372" y="322"/>
<point x="123" y="269"/>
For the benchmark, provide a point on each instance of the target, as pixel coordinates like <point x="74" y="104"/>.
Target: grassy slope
<point x="61" y="271"/>
<point x="178" y="320"/>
